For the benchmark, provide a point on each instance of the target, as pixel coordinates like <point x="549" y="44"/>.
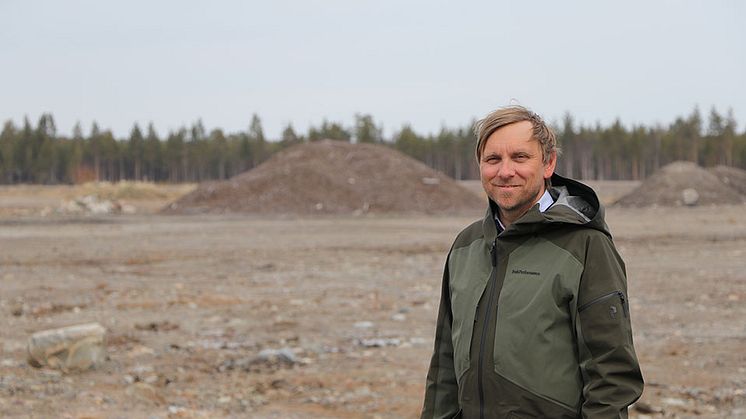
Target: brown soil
<point x="190" y="302"/>
<point x="731" y="176"/>
<point x="666" y="188"/>
<point x="331" y="177"/>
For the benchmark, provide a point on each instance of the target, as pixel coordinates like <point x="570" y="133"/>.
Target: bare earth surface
<point x="189" y="303"/>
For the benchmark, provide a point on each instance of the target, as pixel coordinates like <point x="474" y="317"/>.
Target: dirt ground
<point x="191" y="302"/>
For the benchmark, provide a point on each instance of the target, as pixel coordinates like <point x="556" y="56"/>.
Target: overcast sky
<point x="429" y="63"/>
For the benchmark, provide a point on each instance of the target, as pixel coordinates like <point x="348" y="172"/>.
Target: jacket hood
<point x="574" y="203"/>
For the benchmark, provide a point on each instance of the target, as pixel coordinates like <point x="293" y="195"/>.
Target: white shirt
<point x="545" y="202"/>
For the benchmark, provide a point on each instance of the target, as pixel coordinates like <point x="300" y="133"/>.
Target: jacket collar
<point x="575" y="203"/>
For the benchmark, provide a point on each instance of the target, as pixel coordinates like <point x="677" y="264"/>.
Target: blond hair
<point x="512" y="114"/>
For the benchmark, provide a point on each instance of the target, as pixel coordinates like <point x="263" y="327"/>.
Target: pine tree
<point x="152" y="155"/>
<point x="366" y="130"/>
<point x="219" y="153"/>
<point x="8" y="168"/>
<point x="96" y="151"/>
<point x="289" y="137"/>
<point x="175" y="155"/>
<point x="136" y="151"/>
<point x="44" y="154"/>
<point x="257" y="142"/>
<point x="330" y="131"/>
<point x="75" y="170"/>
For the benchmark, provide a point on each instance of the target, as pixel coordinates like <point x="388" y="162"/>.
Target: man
<point x="534" y="318"/>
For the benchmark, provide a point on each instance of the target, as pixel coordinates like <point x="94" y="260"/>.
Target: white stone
<point x="690" y="197"/>
<point x="399" y="317"/>
<point x="73" y="348"/>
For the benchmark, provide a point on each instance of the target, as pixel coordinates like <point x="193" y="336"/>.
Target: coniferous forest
<point x="36" y="153"/>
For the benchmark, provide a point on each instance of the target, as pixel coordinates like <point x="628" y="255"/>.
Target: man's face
<point x="512" y="169"/>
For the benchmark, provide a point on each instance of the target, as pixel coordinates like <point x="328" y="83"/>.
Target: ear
<point x="550" y="165"/>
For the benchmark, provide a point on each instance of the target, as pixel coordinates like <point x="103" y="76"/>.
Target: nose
<point x="506" y="169"/>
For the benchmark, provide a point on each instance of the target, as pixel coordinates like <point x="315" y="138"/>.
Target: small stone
<point x="285" y="355"/>
<point x="142" y="369"/>
<point x="399" y="317"/>
<point x="379" y="342"/>
<point x="175" y="410"/>
<point x="417" y="341"/>
<point x="156" y="326"/>
<point x="279" y="383"/>
<point x="690" y="197"/>
<point x="363" y="325"/>
<point x="643" y="407"/>
<point x="674" y="402"/>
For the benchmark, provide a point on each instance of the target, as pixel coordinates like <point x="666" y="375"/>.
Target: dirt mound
<point x="681" y="183"/>
<point x="332" y="177"/>
<point x="731" y="176"/>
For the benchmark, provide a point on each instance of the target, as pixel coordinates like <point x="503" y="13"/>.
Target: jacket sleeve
<point x="441" y="390"/>
<point x="611" y="373"/>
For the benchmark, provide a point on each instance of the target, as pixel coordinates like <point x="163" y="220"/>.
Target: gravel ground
<point x="193" y="305"/>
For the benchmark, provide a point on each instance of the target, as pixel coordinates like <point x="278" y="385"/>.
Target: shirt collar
<point x="545" y="202"/>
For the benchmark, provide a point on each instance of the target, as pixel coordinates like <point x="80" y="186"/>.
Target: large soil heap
<point x="678" y="182"/>
<point x="731" y="176"/>
<point x="332" y="177"/>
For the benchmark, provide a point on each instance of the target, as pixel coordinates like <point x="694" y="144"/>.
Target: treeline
<point x="37" y="154"/>
<point x="618" y="153"/>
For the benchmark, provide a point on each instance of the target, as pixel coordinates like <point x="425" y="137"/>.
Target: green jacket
<point x="534" y="321"/>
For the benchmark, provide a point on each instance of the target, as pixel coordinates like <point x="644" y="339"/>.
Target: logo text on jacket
<point x="525" y="272"/>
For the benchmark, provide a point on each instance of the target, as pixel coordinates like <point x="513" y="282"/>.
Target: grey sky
<point x="429" y="63"/>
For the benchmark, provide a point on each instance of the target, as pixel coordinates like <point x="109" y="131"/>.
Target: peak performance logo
<point x="525" y="272"/>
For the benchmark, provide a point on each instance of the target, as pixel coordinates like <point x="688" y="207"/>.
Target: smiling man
<point x="534" y="318"/>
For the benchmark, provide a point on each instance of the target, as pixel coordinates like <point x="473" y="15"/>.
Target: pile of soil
<point x="332" y="177"/>
<point x="731" y="176"/>
<point x="671" y="185"/>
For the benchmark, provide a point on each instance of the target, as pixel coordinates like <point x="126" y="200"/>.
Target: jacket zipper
<point x="488" y="310"/>
<point x="605" y="297"/>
